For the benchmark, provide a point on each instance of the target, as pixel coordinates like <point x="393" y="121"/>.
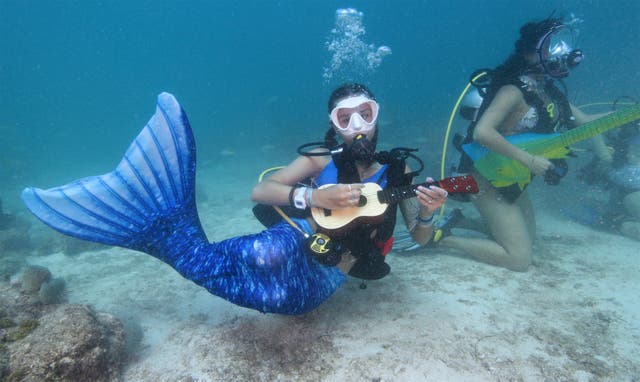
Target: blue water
<point x="79" y="79"/>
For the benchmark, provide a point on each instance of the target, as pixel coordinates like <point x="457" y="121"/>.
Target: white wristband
<point x="299" y="199"/>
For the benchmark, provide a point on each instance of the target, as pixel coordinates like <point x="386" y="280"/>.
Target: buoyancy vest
<point x="550" y="104"/>
<point x="370" y="242"/>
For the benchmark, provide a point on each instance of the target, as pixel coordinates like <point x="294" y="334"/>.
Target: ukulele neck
<point x="396" y="194"/>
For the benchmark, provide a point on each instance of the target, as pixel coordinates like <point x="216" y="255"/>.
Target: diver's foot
<point x="445" y="225"/>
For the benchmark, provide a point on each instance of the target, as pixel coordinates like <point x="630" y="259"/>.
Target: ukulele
<point x="374" y="201"/>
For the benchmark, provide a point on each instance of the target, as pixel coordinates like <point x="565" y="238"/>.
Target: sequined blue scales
<point x="147" y="204"/>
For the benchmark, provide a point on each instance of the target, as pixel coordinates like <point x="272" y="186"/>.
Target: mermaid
<point x="148" y="204"/>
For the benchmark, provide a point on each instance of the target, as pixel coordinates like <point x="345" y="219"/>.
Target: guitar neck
<point x="595" y="127"/>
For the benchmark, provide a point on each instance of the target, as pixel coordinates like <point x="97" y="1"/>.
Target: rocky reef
<point x="42" y="339"/>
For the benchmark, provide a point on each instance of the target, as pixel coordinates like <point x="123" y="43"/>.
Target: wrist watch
<point x="299" y="200"/>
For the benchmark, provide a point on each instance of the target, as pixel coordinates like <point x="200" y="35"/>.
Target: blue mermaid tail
<point x="148" y="204"/>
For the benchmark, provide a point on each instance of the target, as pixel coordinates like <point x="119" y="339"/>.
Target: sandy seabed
<point x="574" y="316"/>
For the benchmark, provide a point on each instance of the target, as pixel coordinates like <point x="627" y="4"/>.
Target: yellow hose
<point x="265" y="172"/>
<point x="448" y="131"/>
<point x="604" y="104"/>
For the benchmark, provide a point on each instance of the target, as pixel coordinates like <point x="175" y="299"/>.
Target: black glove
<point x="553" y="175"/>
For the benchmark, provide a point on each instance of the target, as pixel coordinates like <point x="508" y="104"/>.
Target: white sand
<point x="572" y="317"/>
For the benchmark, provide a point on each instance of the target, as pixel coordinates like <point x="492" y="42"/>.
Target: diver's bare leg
<point x="508" y="226"/>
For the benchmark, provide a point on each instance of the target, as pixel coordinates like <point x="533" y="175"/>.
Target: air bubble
<point x="352" y="58"/>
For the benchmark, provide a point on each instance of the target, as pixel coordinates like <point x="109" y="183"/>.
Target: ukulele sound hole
<point x="362" y="201"/>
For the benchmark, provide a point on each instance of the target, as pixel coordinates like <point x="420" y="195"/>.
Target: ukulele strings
<point x="374" y="193"/>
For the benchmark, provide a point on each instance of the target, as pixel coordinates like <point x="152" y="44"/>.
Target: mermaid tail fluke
<point x="148" y="204"/>
<point x="151" y="188"/>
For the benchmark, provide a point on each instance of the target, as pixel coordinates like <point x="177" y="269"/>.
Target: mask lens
<point x="348" y="116"/>
<point x="554" y="51"/>
<point x="560" y="44"/>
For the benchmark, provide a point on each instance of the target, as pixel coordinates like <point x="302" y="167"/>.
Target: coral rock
<point x="33" y="277"/>
<point x="53" y="292"/>
<point x="71" y="343"/>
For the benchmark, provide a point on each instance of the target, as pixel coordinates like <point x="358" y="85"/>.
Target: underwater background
<point x="78" y="79"/>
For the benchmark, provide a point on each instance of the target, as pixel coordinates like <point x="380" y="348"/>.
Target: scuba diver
<point x="625" y="179"/>
<point x="521" y="96"/>
<point x="353" y="113"/>
<point x="616" y="168"/>
<point x="148" y="204"/>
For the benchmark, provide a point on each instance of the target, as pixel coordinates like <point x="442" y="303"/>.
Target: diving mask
<point x="355" y="115"/>
<point x="555" y="52"/>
